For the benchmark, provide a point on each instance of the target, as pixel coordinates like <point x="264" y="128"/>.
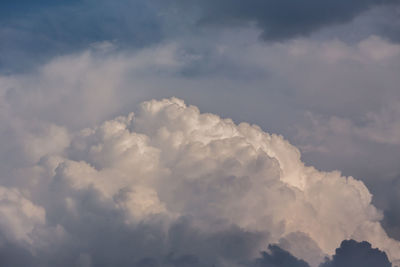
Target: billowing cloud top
<point x="170" y="179"/>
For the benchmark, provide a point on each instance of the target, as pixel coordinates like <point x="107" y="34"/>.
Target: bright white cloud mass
<point x="171" y="179"/>
<point x="102" y="162"/>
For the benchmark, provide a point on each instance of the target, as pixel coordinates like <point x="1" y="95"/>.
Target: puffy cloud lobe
<point x="18" y="216"/>
<point x="170" y="161"/>
<point x="355" y="254"/>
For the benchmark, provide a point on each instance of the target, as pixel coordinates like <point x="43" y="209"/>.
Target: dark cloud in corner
<point x="357" y="254"/>
<point x="278" y="257"/>
<point x="14" y="255"/>
<point x="280" y="19"/>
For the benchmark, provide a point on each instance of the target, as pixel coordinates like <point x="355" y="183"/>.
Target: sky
<point x="200" y="133"/>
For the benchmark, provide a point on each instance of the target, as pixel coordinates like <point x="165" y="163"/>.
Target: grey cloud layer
<point x="68" y="26"/>
<point x="34" y="32"/>
<point x="280" y="19"/>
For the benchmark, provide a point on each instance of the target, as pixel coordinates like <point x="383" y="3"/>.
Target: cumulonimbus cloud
<point x="133" y="178"/>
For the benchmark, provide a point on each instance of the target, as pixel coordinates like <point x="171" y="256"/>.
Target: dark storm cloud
<point x="279" y="19"/>
<point x="14" y="255"/>
<point x="278" y="258"/>
<point x="358" y="254"/>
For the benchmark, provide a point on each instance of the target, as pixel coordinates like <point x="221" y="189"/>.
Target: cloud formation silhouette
<point x="357" y="254"/>
<point x="278" y="258"/>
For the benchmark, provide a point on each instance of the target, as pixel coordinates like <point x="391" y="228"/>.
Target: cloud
<point x="169" y="186"/>
<point x="357" y="254"/>
<point x="328" y="78"/>
<point x="169" y="179"/>
<point x="382" y="127"/>
<point x="278" y="19"/>
<point x="385" y="20"/>
<point x="85" y="178"/>
<point x="279" y="258"/>
<point x="70" y="26"/>
<point x="14" y="255"/>
<point x="19" y="216"/>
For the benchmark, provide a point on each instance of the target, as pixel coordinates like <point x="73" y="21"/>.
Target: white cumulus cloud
<point x="170" y="161"/>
